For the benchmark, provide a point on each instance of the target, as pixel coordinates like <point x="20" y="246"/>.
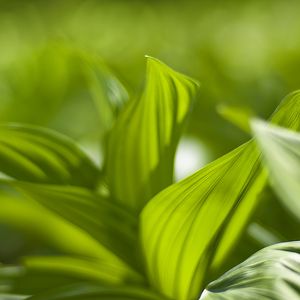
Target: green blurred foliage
<point x="244" y="53"/>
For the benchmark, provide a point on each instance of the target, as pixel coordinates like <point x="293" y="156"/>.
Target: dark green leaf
<point x="96" y="292"/>
<point x="40" y="155"/>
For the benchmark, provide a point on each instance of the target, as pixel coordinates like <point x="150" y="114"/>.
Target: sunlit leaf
<point x="270" y="274"/>
<point x="281" y="152"/>
<point x="143" y="141"/>
<point x="39" y="155"/>
<point x="189" y="227"/>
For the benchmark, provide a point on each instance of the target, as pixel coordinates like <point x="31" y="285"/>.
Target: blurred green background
<point x="246" y="54"/>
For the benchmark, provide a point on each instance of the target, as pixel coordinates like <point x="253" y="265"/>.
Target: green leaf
<point x="38" y="274"/>
<point x="35" y="220"/>
<point x="189" y="228"/>
<point x="142" y="143"/>
<point x="238" y="116"/>
<point x="113" y="227"/>
<point x="36" y="154"/>
<point x="96" y="292"/>
<point x="12" y="297"/>
<point x="272" y="273"/>
<point x="281" y="152"/>
<point x="108" y="92"/>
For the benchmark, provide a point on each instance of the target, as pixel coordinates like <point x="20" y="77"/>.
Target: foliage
<point x="126" y="230"/>
<point x="257" y="277"/>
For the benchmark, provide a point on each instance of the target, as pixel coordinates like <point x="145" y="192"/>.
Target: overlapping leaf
<point x="39" y="274"/>
<point x="110" y="225"/>
<point x="272" y="273"/>
<point x="97" y="292"/>
<point x="39" y="155"/>
<point x="196" y="221"/>
<point x="281" y="152"/>
<point x="143" y="141"/>
<point x="30" y="218"/>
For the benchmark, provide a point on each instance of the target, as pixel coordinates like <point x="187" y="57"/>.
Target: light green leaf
<point x="142" y="143"/>
<point x="96" y="292"/>
<point x="281" y="152"/>
<point x="189" y="228"/>
<point x="36" y="154"/>
<point x="113" y="227"/>
<point x="270" y="274"/>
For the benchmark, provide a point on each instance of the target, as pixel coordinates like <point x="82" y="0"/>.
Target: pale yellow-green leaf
<point x="189" y="228"/>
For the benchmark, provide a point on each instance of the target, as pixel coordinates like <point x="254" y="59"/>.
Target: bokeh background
<point x="246" y="54"/>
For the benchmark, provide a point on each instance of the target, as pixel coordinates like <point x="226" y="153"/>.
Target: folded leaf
<point x="110" y="225"/>
<point x="142" y="143"/>
<point x="36" y="154"/>
<point x="270" y="274"/>
<point x="281" y="152"/>
<point x="96" y="292"/>
<point x="189" y="227"/>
